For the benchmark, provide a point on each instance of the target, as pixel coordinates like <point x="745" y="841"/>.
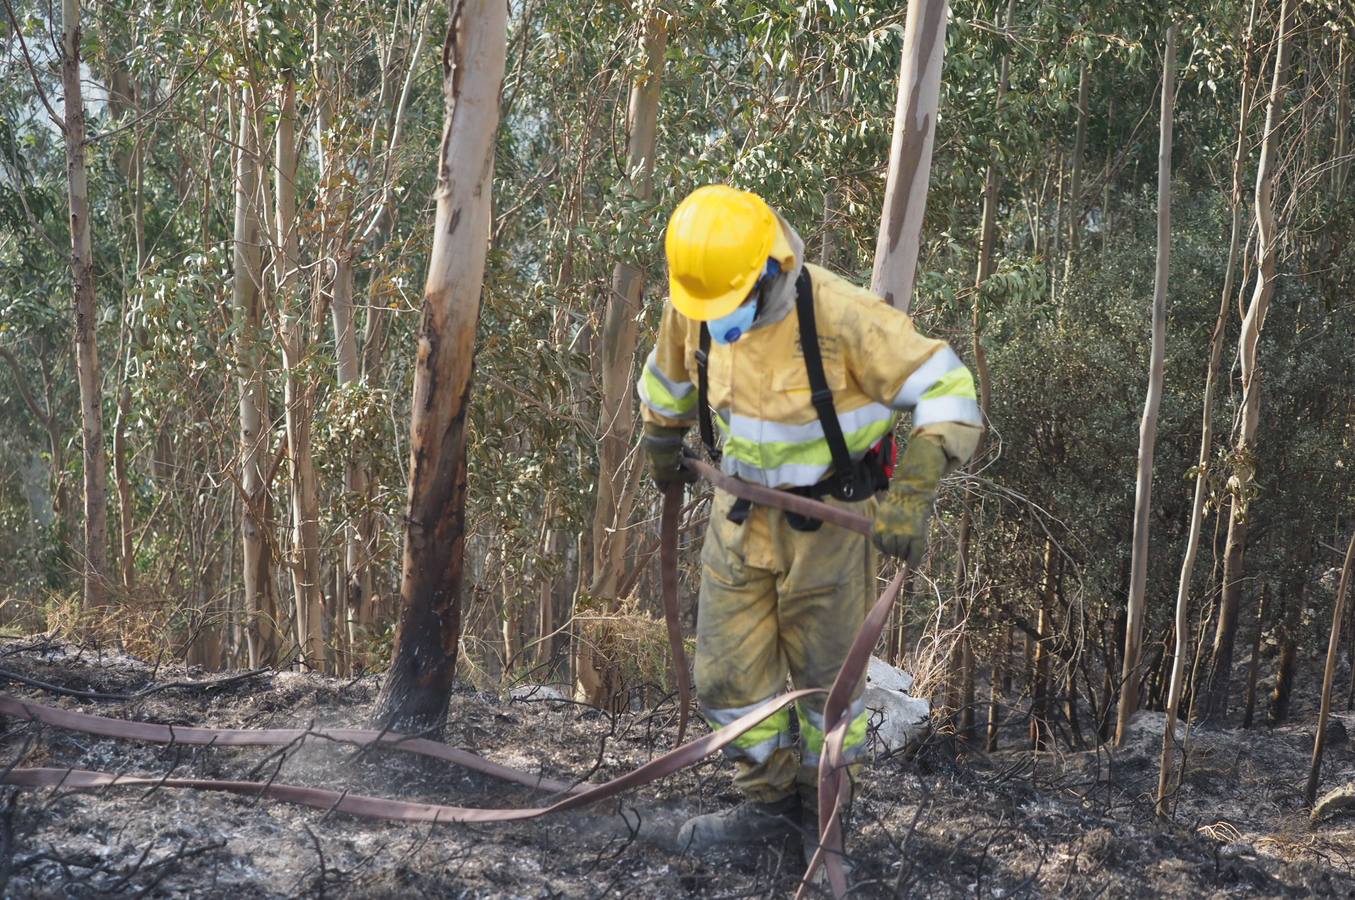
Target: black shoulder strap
<point x="703" y="395"/>
<point x="821" y="395"/>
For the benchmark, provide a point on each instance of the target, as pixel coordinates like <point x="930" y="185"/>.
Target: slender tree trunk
<point x="1254" y="664"/>
<point x="1079" y="151"/>
<point x="1292" y="592"/>
<point x="254" y="439"/>
<point x="995" y="691"/>
<point x="418" y="687"/>
<point x="1329" y="673"/>
<point x="615" y="491"/>
<point x="1245" y="462"/>
<point x="122" y="100"/>
<point x="1039" y="692"/>
<point x="962" y="660"/>
<point x="86" y="314"/>
<point x="1206" y="436"/>
<point x="545" y="620"/>
<point x="1143" y="495"/>
<point x="910" y="152"/>
<point x="350" y="600"/>
<point x="1341" y="173"/>
<point x="305" y="492"/>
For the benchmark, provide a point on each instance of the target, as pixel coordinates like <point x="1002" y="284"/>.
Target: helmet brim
<point x="705" y="309"/>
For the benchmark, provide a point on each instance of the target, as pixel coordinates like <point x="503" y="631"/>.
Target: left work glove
<point x="663" y="455"/>
<point x="903" y="515"/>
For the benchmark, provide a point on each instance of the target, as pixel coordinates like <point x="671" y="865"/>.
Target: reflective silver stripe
<point x="725" y="715"/>
<point x="678" y="389"/>
<point x="787" y="475"/>
<point x="764" y="431"/>
<point x="758" y="753"/>
<point x="947" y="409"/>
<point x="926" y="375"/>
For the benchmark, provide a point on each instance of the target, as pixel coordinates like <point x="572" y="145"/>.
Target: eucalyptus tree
<point x="1130" y="673"/>
<point x="1241" y="484"/>
<point x="94" y="550"/>
<point x="618" y="468"/>
<point x="417" y="688"/>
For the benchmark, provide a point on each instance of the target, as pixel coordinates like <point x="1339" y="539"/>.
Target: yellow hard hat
<point x="718" y="242"/>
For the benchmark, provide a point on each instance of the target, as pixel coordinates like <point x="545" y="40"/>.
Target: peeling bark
<point x="910" y="152"/>
<point x="1225" y="634"/>
<point x="417" y="689"/>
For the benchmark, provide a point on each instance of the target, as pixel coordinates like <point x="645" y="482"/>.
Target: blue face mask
<point x="728" y="329"/>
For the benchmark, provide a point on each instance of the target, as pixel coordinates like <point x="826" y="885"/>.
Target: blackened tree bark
<point x="418" y="687"/>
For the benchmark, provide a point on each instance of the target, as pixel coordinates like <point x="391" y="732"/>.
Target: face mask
<point x="728" y="329"/>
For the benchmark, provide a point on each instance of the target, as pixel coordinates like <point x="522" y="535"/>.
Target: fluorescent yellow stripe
<point x="777" y="723"/>
<point x="955" y="383"/>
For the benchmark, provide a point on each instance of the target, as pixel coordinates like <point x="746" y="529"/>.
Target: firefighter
<point x="804" y="376"/>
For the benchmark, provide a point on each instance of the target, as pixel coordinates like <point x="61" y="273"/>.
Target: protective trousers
<point x="777" y="601"/>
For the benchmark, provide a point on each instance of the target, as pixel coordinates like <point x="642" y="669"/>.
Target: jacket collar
<point x="788" y="248"/>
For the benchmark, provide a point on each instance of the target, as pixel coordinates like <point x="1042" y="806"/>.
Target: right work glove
<point x="663" y="455"/>
<point x="903" y="515"/>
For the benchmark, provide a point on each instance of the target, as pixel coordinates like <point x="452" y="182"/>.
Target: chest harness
<point x="850" y="480"/>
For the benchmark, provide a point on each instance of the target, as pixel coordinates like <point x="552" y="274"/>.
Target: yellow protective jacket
<point x="876" y="363"/>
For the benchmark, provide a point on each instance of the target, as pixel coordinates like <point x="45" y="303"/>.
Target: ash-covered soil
<point x="927" y="824"/>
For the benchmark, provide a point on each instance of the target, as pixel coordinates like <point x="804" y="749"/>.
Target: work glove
<point x="663" y="454"/>
<point x="902" y="515"/>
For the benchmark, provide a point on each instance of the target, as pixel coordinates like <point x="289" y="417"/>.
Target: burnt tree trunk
<point x="418" y="687"/>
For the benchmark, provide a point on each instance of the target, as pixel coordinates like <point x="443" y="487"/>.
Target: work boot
<point x="749" y="822"/>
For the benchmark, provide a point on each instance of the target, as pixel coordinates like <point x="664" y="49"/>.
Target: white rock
<point x="901" y="719"/>
<point x="536" y="692"/>
<point x="882" y="675"/>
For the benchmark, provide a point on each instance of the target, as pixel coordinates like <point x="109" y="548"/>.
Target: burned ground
<point x="926" y="823"/>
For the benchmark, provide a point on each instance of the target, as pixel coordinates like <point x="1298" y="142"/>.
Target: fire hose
<point x="833" y="786"/>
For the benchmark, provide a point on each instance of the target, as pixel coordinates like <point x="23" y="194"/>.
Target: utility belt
<point x="852" y="481"/>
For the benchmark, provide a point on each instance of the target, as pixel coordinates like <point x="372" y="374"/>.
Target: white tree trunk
<point x="1177" y="685"/>
<point x="615" y="492"/>
<point x="1267" y="252"/>
<point x="910" y="152"/>
<point x="254" y="438"/>
<point x="305" y="494"/>
<point x="418" y="687"/>
<point x="86" y="317"/>
<point x="1143" y="495"/>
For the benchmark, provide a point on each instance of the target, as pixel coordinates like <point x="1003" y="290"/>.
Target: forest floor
<point x="926" y="823"/>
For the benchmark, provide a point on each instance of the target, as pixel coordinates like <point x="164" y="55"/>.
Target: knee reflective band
<point x="812" y="734"/>
<point x="759" y="742"/>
